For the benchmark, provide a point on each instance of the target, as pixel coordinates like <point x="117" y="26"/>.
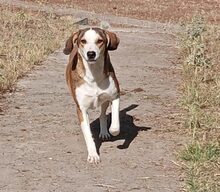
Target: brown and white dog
<point x="91" y="79"/>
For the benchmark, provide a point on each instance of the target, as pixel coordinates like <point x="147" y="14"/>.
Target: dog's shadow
<point x="128" y="130"/>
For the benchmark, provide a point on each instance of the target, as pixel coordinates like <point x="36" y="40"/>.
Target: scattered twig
<point x="175" y="163"/>
<point x="104" y="185"/>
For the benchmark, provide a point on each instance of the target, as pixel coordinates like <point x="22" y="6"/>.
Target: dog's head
<point x="91" y="43"/>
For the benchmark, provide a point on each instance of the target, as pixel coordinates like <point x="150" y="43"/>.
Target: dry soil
<point x="41" y="145"/>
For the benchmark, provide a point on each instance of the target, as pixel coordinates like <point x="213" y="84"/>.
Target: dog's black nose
<point x="91" y="54"/>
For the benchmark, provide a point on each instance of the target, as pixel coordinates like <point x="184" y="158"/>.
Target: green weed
<point x="201" y="92"/>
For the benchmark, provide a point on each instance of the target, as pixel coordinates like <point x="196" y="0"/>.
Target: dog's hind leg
<point x="93" y="156"/>
<point x="103" y="122"/>
<point x="115" y="124"/>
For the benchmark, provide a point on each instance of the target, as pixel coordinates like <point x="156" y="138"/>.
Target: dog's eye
<point x="100" y="41"/>
<point x="83" y="41"/>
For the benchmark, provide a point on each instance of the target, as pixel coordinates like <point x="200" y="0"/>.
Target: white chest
<point x="92" y="95"/>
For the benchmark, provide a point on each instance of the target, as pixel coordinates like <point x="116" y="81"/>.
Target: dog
<point x="92" y="81"/>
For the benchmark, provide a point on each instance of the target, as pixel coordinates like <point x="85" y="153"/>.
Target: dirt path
<point x="41" y="145"/>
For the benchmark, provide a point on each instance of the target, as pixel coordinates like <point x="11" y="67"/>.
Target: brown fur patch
<point x="74" y="76"/>
<point x="113" y="40"/>
<point x="79" y="113"/>
<point x="109" y="70"/>
<point x="100" y="45"/>
<point x="70" y="43"/>
<point x="75" y="70"/>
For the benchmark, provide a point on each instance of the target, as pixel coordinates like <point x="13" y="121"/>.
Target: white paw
<point x="114" y="131"/>
<point x="93" y="158"/>
<point x="104" y="135"/>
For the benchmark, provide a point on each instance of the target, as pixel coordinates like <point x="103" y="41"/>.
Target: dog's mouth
<point x="91" y="60"/>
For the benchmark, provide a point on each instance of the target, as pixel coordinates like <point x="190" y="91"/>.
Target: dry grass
<point x="155" y="10"/>
<point x="201" y="101"/>
<point x="26" y="39"/>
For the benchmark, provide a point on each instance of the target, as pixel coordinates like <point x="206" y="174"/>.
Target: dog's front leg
<point x="115" y="124"/>
<point x="103" y="122"/>
<point x="93" y="156"/>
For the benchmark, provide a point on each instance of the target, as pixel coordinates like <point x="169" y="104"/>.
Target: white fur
<point x="91" y="38"/>
<point x="103" y="122"/>
<point x="115" y="125"/>
<point x="90" y="95"/>
<point x="93" y="157"/>
<point x="96" y="91"/>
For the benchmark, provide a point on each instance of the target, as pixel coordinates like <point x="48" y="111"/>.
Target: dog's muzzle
<point x="91" y="55"/>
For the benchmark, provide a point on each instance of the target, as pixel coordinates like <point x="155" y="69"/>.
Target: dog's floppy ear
<point x="113" y="40"/>
<point x="70" y="43"/>
<point x="73" y="58"/>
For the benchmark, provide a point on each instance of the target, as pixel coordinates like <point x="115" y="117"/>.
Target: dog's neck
<point x="94" y="72"/>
